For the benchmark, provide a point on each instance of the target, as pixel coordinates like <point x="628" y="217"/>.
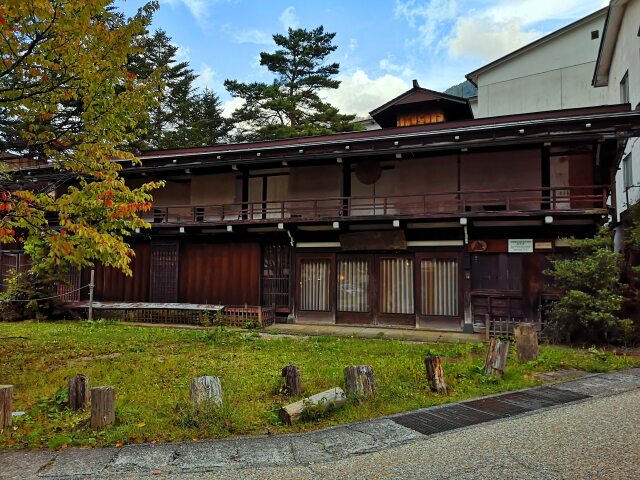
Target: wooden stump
<point x="204" y="391"/>
<point x="103" y="407"/>
<point x="435" y="374"/>
<point x="496" y="359"/>
<point x="78" y="392"/>
<point x="326" y="400"/>
<point x="292" y="384"/>
<point x="526" y="342"/>
<point x="6" y="405"/>
<point x="359" y="381"/>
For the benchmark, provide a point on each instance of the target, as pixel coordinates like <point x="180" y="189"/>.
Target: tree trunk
<point x="326" y="400"/>
<point x="78" y="392"/>
<point x="496" y="359"/>
<point x="292" y="384"/>
<point x="204" y="391"/>
<point x="359" y="381"/>
<point x="526" y="342"/>
<point x="6" y="406"/>
<point x="103" y="407"/>
<point x="435" y="375"/>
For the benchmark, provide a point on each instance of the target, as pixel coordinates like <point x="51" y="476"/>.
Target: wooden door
<point x="164" y="271"/>
<point x="354" y="289"/>
<point x="438" y="288"/>
<point x="315" y="292"/>
<point x="275" y="276"/>
<point x="395" y="290"/>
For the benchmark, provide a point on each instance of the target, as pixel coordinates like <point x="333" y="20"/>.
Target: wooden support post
<point x="359" y="381"/>
<point x="6" y="406"/>
<point x="326" y="400"/>
<point x="496" y="359"/>
<point x="91" y="286"/>
<point x="204" y="391"/>
<point x="103" y="407"/>
<point x="435" y="374"/>
<point x="78" y="392"/>
<point x="292" y="384"/>
<point x="487" y="327"/>
<point x="526" y="342"/>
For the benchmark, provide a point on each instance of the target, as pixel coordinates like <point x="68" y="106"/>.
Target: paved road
<point x="591" y="439"/>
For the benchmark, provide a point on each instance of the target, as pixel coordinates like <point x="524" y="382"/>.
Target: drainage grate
<point x="442" y="419"/>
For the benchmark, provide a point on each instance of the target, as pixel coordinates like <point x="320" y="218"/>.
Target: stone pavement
<point x="380" y="446"/>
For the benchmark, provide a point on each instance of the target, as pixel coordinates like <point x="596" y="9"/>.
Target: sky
<point x="382" y="44"/>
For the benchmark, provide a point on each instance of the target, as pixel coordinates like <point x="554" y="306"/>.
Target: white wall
<point x="554" y="75"/>
<point x="626" y="57"/>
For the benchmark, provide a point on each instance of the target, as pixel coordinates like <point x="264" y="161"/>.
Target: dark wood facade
<point x="430" y="226"/>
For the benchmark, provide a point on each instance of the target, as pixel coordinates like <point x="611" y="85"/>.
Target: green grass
<point x="151" y="368"/>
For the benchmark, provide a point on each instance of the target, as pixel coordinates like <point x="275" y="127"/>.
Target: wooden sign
<point x="381" y="240"/>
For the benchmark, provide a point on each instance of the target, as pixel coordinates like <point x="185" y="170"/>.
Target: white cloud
<point x="360" y="94"/>
<point x="198" y="8"/>
<point x="183" y="53"/>
<point x="206" y="78"/>
<point x="429" y="17"/>
<point x="487" y="40"/>
<point x="231" y="106"/>
<point x="388" y="65"/>
<point x="529" y="12"/>
<point x="253" y="35"/>
<point x="353" y="45"/>
<point x="288" y="18"/>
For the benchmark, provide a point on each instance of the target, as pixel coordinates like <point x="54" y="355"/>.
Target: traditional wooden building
<point x="437" y="220"/>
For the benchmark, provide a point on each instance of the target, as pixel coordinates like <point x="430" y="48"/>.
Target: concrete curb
<point x="282" y="451"/>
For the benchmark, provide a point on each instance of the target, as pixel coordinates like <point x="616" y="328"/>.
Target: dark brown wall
<point x="113" y="285"/>
<point x="227" y="273"/>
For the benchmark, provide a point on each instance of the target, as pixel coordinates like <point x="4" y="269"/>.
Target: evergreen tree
<point x="207" y="125"/>
<point x="170" y="118"/>
<point x="291" y="105"/>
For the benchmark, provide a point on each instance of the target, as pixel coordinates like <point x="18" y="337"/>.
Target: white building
<point x="618" y="74"/>
<point x="552" y="73"/>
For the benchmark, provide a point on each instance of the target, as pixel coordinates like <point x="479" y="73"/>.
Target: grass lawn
<point x="151" y="368"/>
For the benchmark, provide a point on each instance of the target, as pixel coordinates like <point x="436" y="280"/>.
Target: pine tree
<point x="291" y="105"/>
<point x="170" y="118"/>
<point x="207" y="125"/>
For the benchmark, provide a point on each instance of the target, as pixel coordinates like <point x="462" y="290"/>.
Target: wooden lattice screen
<point x="164" y="271"/>
<point x="275" y="276"/>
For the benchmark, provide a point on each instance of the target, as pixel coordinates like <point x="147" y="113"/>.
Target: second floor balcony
<point x="578" y="200"/>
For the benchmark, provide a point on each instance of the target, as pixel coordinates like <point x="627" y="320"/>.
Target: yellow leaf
<point x="141" y="424"/>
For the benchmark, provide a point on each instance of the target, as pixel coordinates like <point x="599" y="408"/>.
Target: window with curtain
<point x="314" y="290"/>
<point x="396" y="285"/>
<point x="439" y="279"/>
<point x="353" y="285"/>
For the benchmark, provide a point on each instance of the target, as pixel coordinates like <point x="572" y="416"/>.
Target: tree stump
<point x="6" y="405"/>
<point x="526" y="342"/>
<point x="435" y="374"/>
<point x="292" y="384"/>
<point x="359" y="381"/>
<point x="325" y="401"/>
<point x="204" y="391"/>
<point x="78" y="392"/>
<point x="103" y="407"/>
<point x="496" y="359"/>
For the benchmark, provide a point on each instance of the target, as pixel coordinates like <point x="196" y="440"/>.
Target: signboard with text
<point x="520" y="245"/>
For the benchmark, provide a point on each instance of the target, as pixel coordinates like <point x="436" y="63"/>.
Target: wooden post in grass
<point x="292" y="384"/>
<point x="324" y="401"/>
<point x="496" y="359"/>
<point x="526" y="342"/>
<point x="78" y="392"/>
<point x="6" y="405"/>
<point x="103" y="407"/>
<point x="204" y="391"/>
<point x="359" y="381"/>
<point x="435" y="374"/>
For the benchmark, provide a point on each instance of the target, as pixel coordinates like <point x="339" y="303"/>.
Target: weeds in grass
<point x="151" y="369"/>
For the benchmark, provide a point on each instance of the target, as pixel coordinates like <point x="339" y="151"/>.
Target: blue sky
<point x="382" y="44"/>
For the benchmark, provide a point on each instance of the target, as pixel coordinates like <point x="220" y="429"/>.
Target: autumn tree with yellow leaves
<point x="67" y="101"/>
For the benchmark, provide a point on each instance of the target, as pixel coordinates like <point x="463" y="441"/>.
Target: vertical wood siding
<point x="396" y="285"/>
<point x="353" y="285"/>
<point x="226" y="273"/>
<point x="439" y="278"/>
<point x="113" y="285"/>
<point x="316" y="281"/>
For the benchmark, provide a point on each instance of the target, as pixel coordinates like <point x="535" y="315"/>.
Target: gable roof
<point x="418" y="95"/>
<point x="615" y="14"/>
<point x="473" y="76"/>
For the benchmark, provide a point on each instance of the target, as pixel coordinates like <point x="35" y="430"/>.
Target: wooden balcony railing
<point x="555" y="199"/>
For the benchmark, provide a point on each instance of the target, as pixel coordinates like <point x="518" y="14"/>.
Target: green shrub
<point x="589" y="309"/>
<point x="32" y="294"/>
